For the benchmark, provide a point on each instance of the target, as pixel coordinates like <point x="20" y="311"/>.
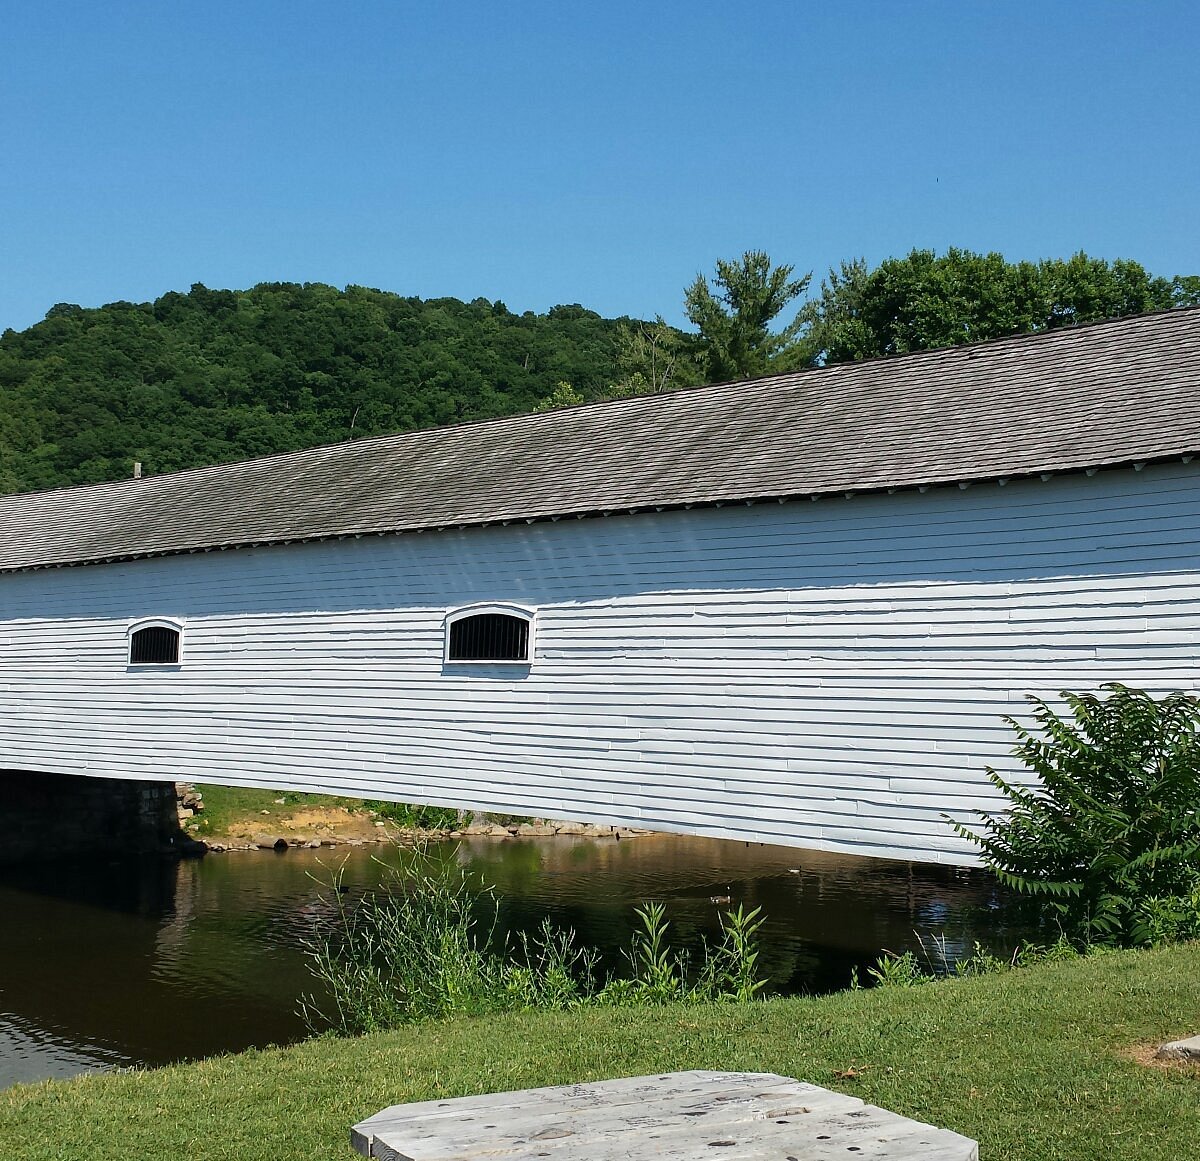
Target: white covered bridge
<point x="792" y="611"/>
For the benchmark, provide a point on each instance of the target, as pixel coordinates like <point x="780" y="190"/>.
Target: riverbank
<point x="1039" y="1064"/>
<point x="235" y="818"/>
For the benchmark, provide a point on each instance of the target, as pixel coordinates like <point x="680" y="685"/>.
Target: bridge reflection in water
<point x="115" y="962"/>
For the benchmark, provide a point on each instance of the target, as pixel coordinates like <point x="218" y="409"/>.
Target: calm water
<point x="134" y="963"/>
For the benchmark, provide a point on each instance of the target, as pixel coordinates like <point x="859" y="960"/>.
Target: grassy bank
<point x="1033" y="1064"/>
<point x="228" y="809"/>
<point x="237" y="813"/>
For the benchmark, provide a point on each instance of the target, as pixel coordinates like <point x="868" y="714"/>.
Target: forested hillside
<point x="219" y="375"/>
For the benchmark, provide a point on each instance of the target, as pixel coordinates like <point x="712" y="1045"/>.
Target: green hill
<point x="219" y="375"/>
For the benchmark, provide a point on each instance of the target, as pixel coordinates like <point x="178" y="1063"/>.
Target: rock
<point x="1180" y="1050"/>
<point x="569" y="828"/>
<point x="189" y="848"/>
<point x="313" y="844"/>
<point x="535" y="830"/>
<point x="265" y="842"/>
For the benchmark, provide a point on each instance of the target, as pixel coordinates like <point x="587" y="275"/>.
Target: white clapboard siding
<point x="830" y="674"/>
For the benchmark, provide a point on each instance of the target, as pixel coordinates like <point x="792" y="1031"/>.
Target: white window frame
<point x="153" y="623"/>
<point x="524" y="612"/>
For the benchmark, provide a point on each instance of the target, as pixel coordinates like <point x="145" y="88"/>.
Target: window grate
<point x="489" y="637"/>
<point x="154" y="645"/>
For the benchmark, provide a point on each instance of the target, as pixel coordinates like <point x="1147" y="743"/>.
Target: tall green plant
<point x="1108" y="839"/>
<point x="660" y="974"/>
<point x="425" y="947"/>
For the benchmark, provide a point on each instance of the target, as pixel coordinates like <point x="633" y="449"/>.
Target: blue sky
<point x="602" y="153"/>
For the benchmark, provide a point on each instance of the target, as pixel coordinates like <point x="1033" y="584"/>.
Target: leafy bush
<point x="1108" y="841"/>
<point x="425" y="946"/>
<point x="415" y="817"/>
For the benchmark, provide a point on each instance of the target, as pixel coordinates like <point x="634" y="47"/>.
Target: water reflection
<point x="134" y="962"/>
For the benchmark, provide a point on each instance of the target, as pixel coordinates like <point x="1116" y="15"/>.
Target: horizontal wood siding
<point x="828" y="674"/>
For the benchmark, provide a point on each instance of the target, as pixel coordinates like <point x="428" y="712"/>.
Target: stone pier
<point x="61" y="815"/>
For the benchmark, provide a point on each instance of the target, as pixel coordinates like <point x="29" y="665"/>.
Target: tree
<point x="654" y="357"/>
<point x="563" y="395"/>
<point x="734" y="317"/>
<point x="927" y="300"/>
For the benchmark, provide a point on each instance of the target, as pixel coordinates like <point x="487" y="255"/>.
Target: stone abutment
<point x="62" y="815"/>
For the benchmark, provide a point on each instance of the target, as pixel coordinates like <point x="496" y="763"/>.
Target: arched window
<point x="154" y="643"/>
<point x="490" y="633"/>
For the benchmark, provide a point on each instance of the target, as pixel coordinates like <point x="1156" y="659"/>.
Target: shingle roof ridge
<point x="525" y="418"/>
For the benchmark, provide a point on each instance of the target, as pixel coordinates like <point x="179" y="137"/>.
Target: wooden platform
<point x="680" y="1116"/>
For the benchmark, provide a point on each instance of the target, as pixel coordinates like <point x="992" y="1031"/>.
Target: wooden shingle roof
<point x="1092" y="396"/>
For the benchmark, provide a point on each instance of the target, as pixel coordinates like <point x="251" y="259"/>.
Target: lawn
<point x="1032" y="1063"/>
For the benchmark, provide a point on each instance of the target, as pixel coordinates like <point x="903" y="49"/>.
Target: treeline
<point x="915" y="303"/>
<point x="218" y="375"/>
<point x="925" y="300"/>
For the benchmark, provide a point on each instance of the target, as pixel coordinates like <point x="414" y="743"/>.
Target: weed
<point x="425" y="946"/>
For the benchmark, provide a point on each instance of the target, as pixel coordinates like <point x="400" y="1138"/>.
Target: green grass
<point x="1030" y="1063"/>
<point x="229" y="806"/>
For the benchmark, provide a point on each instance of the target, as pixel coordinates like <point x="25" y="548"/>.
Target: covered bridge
<point x="793" y="610"/>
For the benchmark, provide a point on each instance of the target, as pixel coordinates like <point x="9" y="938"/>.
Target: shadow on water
<point x="142" y="962"/>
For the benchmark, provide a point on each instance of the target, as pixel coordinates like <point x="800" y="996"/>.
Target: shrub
<point x="1108" y="840"/>
<point x="413" y="816"/>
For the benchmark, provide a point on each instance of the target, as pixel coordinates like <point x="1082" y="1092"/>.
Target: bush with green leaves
<point x="415" y="817"/>
<point x="1108" y="838"/>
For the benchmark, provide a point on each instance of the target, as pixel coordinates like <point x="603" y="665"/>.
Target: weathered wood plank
<point x="674" y="1091"/>
<point x="671" y="1117"/>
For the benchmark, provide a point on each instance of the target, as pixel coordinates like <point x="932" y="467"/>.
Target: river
<point x="128" y="962"/>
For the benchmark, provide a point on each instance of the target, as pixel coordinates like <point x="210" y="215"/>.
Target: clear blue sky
<point x="596" y="153"/>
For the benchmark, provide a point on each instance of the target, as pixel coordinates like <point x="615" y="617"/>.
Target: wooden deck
<point x="681" y="1116"/>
